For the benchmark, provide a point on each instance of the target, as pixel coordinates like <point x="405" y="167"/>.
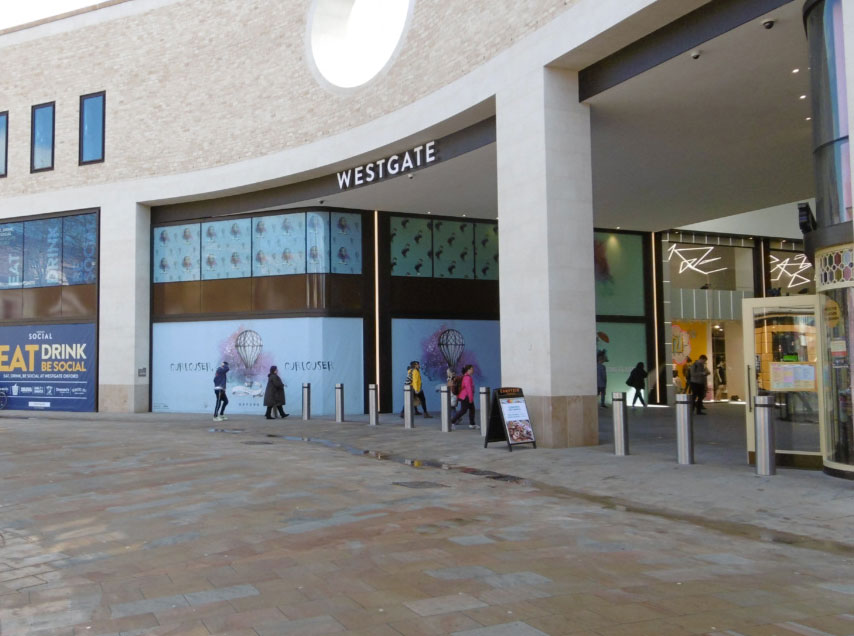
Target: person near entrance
<point x="686" y="374"/>
<point x="466" y="397"/>
<point x="219" y="391"/>
<point x="720" y="380"/>
<point x="274" y="394"/>
<point x="601" y="377"/>
<point x="699" y="373"/>
<point x="637" y="380"/>
<point x="413" y="379"/>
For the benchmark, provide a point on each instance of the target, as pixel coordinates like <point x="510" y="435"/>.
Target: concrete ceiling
<point x="687" y="141"/>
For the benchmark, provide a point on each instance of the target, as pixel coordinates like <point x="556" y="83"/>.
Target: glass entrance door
<point x="782" y="358"/>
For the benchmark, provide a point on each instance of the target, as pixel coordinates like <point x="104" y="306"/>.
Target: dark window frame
<point x="83" y="98"/>
<point x="33" y="110"/>
<point x="5" y="150"/>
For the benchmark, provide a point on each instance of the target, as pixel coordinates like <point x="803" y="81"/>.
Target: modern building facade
<point x="331" y="185"/>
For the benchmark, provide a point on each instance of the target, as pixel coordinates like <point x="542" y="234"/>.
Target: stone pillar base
<point x="564" y="421"/>
<point x="123" y="398"/>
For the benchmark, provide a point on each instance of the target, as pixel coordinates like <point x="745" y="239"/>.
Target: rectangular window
<point x="92" y="122"/>
<point x="43" y="253"/>
<point x="41" y="137"/>
<point x="4" y="141"/>
<point x="79" y="250"/>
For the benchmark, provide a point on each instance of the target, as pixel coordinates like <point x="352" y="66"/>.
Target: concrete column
<point x="124" y="307"/>
<point x="545" y="220"/>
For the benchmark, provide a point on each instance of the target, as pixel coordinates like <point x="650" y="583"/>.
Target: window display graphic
<point x="433" y="343"/>
<point x="227" y="249"/>
<point x="317" y="242"/>
<point x="411" y="247"/>
<point x="278" y="245"/>
<point x="346" y="243"/>
<point x="516" y="418"/>
<point x="11" y="255"/>
<point x="177" y="253"/>
<point x="49" y="367"/>
<point x="618" y="269"/>
<point x="43" y="253"/>
<point x="453" y="249"/>
<point x="80" y="249"/>
<point x="792" y="272"/>
<point x="322" y="351"/>
<point x="486" y="251"/>
<point x="624" y="345"/>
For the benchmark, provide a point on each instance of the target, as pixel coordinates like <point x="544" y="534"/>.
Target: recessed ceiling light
<point x="796" y="70"/>
<point x="803" y="97"/>
<point x="463" y="213"/>
<point x="618" y="227"/>
<point x="429" y="212"/>
<point x="808" y="118"/>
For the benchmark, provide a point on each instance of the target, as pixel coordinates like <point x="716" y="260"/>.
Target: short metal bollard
<point x="306" y="400"/>
<point x="372" y="405"/>
<point x="621" y="424"/>
<point x="684" y="429"/>
<point x="445" y="408"/>
<point x="339" y="402"/>
<point x="763" y="420"/>
<point x="484" y="409"/>
<point x="408" y="407"/>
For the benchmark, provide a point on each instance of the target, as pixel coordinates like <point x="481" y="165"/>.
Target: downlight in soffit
<point x="351" y="41"/>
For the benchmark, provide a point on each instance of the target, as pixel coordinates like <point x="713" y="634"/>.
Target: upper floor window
<point x="41" y="137"/>
<point x="4" y="141"/>
<point x="92" y="120"/>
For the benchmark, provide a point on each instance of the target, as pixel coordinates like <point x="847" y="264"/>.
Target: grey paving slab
<point x="516" y="628"/>
<point x="461" y="572"/>
<point x="474" y="539"/>
<point x="148" y="606"/>
<point x="221" y="594"/>
<point x="444" y="604"/>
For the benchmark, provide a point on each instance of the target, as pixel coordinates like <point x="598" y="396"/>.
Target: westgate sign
<point x="388" y="167"/>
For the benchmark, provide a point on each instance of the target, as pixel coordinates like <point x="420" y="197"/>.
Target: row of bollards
<point x="408" y="406"/>
<point x="763" y="423"/>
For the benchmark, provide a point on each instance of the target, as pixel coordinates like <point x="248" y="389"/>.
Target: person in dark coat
<point x="637" y="380"/>
<point x="274" y="394"/>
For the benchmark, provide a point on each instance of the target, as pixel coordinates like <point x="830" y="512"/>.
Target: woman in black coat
<point x="274" y="395"/>
<point x="637" y="380"/>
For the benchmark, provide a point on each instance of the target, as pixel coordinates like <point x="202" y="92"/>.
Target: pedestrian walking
<point x="637" y="380"/>
<point x="219" y="391"/>
<point x="601" y="378"/>
<point x="466" y="397"/>
<point x="699" y="373"/>
<point x="274" y="394"/>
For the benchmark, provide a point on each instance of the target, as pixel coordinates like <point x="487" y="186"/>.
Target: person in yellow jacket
<point x="414" y="379"/>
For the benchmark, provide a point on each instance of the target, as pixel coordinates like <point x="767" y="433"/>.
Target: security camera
<point x="768" y="24"/>
<point x="320" y="202"/>
<point x="695" y="55"/>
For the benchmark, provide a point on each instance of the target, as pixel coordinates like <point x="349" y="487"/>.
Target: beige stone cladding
<point x="195" y="84"/>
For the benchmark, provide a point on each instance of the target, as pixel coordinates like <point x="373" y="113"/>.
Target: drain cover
<point x="419" y="484"/>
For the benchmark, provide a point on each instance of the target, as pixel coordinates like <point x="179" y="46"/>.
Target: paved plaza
<point x="155" y="524"/>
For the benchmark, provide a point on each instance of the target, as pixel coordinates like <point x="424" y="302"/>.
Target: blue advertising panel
<point x="80" y="249"/>
<point x="11" y="255"/>
<point x="317" y="242"/>
<point x="475" y="342"/>
<point x="48" y="367"/>
<point x="322" y="351"/>
<point x="43" y="253"/>
<point x="177" y="253"/>
<point x="227" y="249"/>
<point x="278" y="244"/>
<point x="346" y="243"/>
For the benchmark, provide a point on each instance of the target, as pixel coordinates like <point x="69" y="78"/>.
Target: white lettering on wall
<point x="386" y="167"/>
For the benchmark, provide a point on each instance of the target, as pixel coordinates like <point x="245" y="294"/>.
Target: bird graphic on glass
<point x="248" y="345"/>
<point x="451" y="345"/>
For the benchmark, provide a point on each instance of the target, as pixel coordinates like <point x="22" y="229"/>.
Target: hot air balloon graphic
<point x="260" y="227"/>
<point x="451" y="345"/>
<point x="211" y="232"/>
<point x="343" y="226"/>
<point x="248" y="345"/>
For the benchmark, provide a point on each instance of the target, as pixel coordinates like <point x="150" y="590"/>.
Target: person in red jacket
<point x="466" y="397"/>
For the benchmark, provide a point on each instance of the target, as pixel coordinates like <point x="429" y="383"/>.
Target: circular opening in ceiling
<point x="351" y="41"/>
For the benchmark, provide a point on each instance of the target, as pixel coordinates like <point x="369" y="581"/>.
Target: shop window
<point x="227" y="249"/>
<point x="278" y="245"/>
<point x="317" y="243"/>
<point x="43" y="253"/>
<point x="11" y="255"/>
<point x="701" y="266"/>
<point x="80" y="249"/>
<point x="42" y="137"/>
<point x="346" y="243"/>
<point x="411" y="247"/>
<point x="486" y="251"/>
<point x="92" y="123"/>
<point x="177" y="253"/>
<point x="4" y="141"/>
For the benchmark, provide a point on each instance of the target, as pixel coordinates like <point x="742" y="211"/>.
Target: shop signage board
<point x="792" y="376"/>
<point x="48" y="367"/>
<point x="508" y="419"/>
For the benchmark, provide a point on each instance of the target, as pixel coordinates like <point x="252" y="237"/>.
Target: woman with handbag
<point x="466" y="397"/>
<point x="274" y="394"/>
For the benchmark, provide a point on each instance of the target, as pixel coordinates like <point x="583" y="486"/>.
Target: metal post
<point x="445" y="408"/>
<point x="306" y="400"/>
<point x="372" y="405"/>
<point x="484" y="409"/>
<point x="339" y="402"/>
<point x="408" y="407"/>
<point x="684" y="429"/>
<point x="763" y="420"/>
<point x="621" y="425"/>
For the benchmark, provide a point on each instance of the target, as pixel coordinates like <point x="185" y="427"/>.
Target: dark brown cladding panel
<point x="444" y="297"/>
